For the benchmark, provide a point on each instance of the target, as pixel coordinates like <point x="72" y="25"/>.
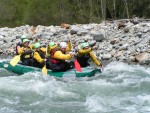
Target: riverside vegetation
<point x="53" y="12"/>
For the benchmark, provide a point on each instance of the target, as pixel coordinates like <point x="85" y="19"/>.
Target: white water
<point x="121" y="88"/>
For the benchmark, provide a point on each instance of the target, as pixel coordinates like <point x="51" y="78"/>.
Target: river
<point x="121" y="88"/>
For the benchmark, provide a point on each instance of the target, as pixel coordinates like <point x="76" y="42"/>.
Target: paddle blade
<point x="77" y="66"/>
<point x="44" y="70"/>
<point x="15" y="60"/>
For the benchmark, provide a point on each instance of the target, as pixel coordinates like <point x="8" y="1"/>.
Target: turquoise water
<point x="121" y="88"/>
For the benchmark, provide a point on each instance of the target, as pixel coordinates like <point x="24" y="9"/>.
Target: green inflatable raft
<point x="21" y="69"/>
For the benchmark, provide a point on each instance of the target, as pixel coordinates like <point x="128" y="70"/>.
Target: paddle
<point x="77" y="66"/>
<point x="15" y="60"/>
<point x="44" y="69"/>
<point x="76" y="63"/>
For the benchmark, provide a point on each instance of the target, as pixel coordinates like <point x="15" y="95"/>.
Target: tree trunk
<point x="103" y="8"/>
<point x="126" y="6"/>
<point x="114" y="9"/>
<point x="90" y="3"/>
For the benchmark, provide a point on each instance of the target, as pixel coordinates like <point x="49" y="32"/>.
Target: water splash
<point x="121" y="88"/>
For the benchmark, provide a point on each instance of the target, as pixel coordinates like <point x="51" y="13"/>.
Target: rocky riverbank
<point x="116" y="41"/>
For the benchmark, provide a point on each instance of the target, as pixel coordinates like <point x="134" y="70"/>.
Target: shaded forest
<point x="53" y="12"/>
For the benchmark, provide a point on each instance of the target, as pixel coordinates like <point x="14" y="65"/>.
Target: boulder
<point x="64" y="25"/>
<point x="139" y="34"/>
<point x="121" y="25"/>
<point x="87" y="27"/>
<point x="82" y="32"/>
<point x="141" y="57"/>
<point x="1" y="37"/>
<point x="127" y="29"/>
<point x="124" y="47"/>
<point x="98" y="36"/>
<point x="92" y="43"/>
<point x="106" y="56"/>
<point x="114" y="41"/>
<point x="1" y="51"/>
<point x="9" y="39"/>
<point x="7" y="45"/>
<point x="132" y="58"/>
<point x="113" y="52"/>
<point x="135" y="20"/>
<point x="118" y="54"/>
<point x="75" y="29"/>
<point x="1" y="42"/>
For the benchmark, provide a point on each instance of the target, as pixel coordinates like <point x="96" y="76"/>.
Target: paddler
<point x="39" y="55"/>
<point x="26" y="53"/>
<point x="20" y="44"/>
<point x="84" y="54"/>
<point x="58" y="57"/>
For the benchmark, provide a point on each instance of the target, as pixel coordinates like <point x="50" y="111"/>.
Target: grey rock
<point x="122" y="36"/>
<point x="142" y="57"/>
<point x="106" y="56"/>
<point x="49" y="34"/>
<point x="9" y="44"/>
<point x="4" y="34"/>
<point x="1" y="51"/>
<point x="126" y="29"/>
<point x="124" y="47"/>
<point x="74" y="30"/>
<point x="132" y="58"/>
<point x="145" y="30"/>
<point x="1" y="37"/>
<point x="1" y="42"/>
<point x="118" y="54"/>
<point x="139" y="34"/>
<point x="83" y="32"/>
<point x="9" y="39"/>
<point x="112" y="42"/>
<point x="81" y="41"/>
<point x="64" y="30"/>
<point x="113" y="52"/>
<point x="92" y="43"/>
<point x="88" y="27"/>
<point x="98" y="36"/>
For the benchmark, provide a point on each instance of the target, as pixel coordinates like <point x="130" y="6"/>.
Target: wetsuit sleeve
<point x="37" y="57"/>
<point x="61" y="56"/>
<point x="43" y="49"/>
<point x="94" y="58"/>
<point x="20" y="50"/>
<point x="31" y="46"/>
<point x="69" y="46"/>
<point x="82" y="51"/>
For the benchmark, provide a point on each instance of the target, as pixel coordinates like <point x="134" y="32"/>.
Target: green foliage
<point x="47" y="12"/>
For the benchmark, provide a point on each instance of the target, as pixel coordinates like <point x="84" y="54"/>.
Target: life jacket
<point x="18" y="44"/>
<point x="83" y="60"/>
<point x="53" y="60"/>
<point x="41" y="53"/>
<point x="27" y="54"/>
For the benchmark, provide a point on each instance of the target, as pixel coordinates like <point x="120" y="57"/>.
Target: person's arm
<point x="95" y="60"/>
<point x="38" y="58"/>
<point x="20" y="50"/>
<point x="43" y="49"/>
<point x="69" y="46"/>
<point x="82" y="51"/>
<point x="61" y="56"/>
<point x="17" y="49"/>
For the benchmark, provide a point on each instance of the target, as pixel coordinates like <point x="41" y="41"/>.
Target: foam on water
<point x="121" y="88"/>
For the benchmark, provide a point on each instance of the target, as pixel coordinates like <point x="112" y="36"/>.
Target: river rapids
<point x="121" y="88"/>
